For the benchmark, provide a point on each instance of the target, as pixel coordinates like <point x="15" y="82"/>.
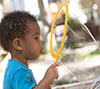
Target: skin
<point x="29" y="48"/>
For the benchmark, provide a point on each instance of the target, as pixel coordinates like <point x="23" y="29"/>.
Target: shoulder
<point x="14" y="68"/>
<point x="24" y="78"/>
<point x="21" y="72"/>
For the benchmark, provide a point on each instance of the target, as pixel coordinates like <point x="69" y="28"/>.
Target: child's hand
<point x="50" y="76"/>
<point x="51" y="73"/>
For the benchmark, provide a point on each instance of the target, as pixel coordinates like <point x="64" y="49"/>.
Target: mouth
<point x="41" y="50"/>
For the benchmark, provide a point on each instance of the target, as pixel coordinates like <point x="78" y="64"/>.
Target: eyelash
<point x="37" y="38"/>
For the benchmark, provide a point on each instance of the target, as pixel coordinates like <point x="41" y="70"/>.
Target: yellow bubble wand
<point x="57" y="55"/>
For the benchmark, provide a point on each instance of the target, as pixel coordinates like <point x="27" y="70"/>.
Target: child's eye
<point x="36" y="38"/>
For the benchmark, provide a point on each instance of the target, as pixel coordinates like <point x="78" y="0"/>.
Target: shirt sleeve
<point x="22" y="80"/>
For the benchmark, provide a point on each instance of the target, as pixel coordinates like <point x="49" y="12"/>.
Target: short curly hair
<point x="13" y="25"/>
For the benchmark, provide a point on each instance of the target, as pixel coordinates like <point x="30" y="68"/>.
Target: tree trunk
<point x="42" y="12"/>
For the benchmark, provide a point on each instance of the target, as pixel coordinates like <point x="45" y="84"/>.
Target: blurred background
<point x="80" y="57"/>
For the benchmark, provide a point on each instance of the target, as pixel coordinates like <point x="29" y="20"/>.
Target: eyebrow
<point x="37" y="33"/>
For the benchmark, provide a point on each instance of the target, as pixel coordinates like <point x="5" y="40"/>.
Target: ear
<point x="17" y="44"/>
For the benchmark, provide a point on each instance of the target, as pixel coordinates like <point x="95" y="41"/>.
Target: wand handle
<point x="57" y="59"/>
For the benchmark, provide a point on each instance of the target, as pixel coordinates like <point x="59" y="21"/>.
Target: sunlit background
<point x="80" y="57"/>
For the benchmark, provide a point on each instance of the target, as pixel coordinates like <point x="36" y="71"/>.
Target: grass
<point x="92" y="54"/>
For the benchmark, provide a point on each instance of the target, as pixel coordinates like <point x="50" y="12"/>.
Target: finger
<point x="56" y="75"/>
<point x="54" y="65"/>
<point x="55" y="70"/>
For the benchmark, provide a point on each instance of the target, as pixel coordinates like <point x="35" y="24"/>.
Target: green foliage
<point x="2" y="56"/>
<point x="96" y="52"/>
<point x="74" y="23"/>
<point x="92" y="54"/>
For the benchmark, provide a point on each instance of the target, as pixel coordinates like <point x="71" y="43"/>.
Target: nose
<point x="41" y="45"/>
<point x="40" y="42"/>
<point x="41" y="49"/>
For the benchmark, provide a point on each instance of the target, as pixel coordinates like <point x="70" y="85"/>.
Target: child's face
<point x="32" y="45"/>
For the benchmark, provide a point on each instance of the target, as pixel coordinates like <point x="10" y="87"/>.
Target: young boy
<point x="19" y="35"/>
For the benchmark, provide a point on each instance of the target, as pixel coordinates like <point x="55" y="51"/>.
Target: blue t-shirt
<point x="18" y="76"/>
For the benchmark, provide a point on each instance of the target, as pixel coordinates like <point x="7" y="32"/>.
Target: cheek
<point x="29" y="44"/>
<point x="32" y="48"/>
<point x="30" y="53"/>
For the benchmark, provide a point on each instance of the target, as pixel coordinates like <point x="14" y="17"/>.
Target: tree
<point x="42" y="12"/>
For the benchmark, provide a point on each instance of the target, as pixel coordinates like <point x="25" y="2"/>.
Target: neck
<point x="20" y="59"/>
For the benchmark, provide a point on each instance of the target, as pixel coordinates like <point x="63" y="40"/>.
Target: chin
<point x="36" y="57"/>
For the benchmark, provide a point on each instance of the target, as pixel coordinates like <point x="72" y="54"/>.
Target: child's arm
<point x="49" y="77"/>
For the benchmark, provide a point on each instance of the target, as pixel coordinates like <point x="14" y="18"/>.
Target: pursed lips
<point x="41" y="50"/>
